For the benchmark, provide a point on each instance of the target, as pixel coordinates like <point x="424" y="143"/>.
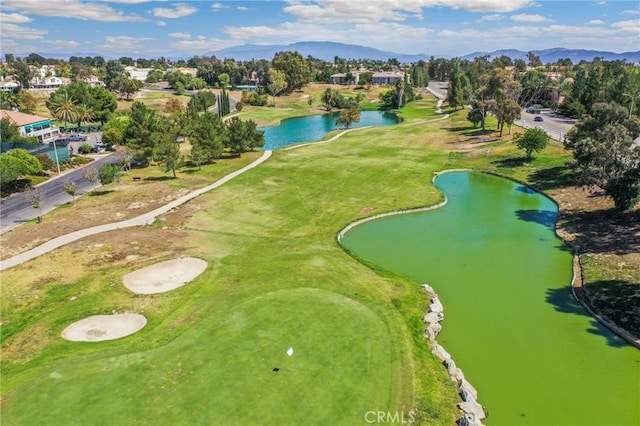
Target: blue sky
<point x="143" y="28"/>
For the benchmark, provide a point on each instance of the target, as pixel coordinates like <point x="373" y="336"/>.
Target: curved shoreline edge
<point x="144" y="219"/>
<point x="353" y="129"/>
<point x="578" y="287"/>
<point x="472" y="411"/>
<point x="578" y="291"/>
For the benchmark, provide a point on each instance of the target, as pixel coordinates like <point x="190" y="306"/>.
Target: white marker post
<point x="290" y="353"/>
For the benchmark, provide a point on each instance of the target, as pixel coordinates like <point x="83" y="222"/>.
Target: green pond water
<point x="311" y="128"/>
<point x="511" y="323"/>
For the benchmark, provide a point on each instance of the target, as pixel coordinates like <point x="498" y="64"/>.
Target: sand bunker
<point x="104" y="327"/>
<point x="164" y="276"/>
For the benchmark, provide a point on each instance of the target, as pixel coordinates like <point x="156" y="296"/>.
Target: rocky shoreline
<point x="472" y="411"/>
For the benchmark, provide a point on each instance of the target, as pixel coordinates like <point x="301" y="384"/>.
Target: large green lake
<point x="511" y="323"/>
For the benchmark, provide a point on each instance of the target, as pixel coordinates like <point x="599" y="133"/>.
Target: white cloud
<point x="631" y="26"/>
<point x="180" y="10"/>
<point x="127" y="1"/>
<point x="242" y="8"/>
<point x="124" y="44"/>
<point x="342" y="11"/>
<point x="523" y="17"/>
<point x="631" y="12"/>
<point x="201" y="45"/>
<point x="491" y="18"/>
<point x="481" y="6"/>
<point x="596" y="22"/>
<point x="218" y="6"/>
<point x="70" y="9"/>
<point x="332" y="11"/>
<point x="13" y="31"/>
<point x="161" y="23"/>
<point x="180" y="35"/>
<point x="62" y="44"/>
<point x="14" y="18"/>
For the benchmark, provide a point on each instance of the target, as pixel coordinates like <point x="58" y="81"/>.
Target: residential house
<point x="32" y="125"/>
<point x="138" y="73"/>
<point x="45" y="71"/>
<point x="9" y="86"/>
<point x="93" y="81"/>
<point x="379" y="77"/>
<point x="52" y="82"/>
<point x="387" y="77"/>
<point x="341" y="78"/>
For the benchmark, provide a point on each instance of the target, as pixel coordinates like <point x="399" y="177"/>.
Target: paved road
<point x="439" y="88"/>
<point x="17" y="209"/>
<point x="555" y="125"/>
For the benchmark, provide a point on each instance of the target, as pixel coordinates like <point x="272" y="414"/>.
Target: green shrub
<point x="85" y="148"/>
<point x="46" y="161"/>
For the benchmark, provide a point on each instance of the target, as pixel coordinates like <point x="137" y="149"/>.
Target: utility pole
<point x="633" y="98"/>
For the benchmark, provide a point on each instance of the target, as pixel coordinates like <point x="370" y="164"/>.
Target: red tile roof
<point x="20" y="118"/>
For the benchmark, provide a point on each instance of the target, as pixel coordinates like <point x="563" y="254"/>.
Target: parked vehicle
<point x="77" y="137"/>
<point x="60" y="142"/>
<point x="538" y="118"/>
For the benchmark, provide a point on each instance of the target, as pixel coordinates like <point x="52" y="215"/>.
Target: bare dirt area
<point x="120" y="202"/>
<point x="609" y="245"/>
<point x="98" y="328"/>
<point x="164" y="276"/>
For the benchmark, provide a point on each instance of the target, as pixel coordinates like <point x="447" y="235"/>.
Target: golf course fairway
<point x="511" y="323"/>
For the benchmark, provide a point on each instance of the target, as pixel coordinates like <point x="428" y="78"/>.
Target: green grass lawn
<point x="276" y="278"/>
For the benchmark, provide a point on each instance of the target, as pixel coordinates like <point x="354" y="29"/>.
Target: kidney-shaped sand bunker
<point x="164" y="276"/>
<point x="104" y="327"/>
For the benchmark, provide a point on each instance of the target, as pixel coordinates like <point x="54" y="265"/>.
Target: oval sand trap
<point x="164" y="276"/>
<point x="104" y="327"/>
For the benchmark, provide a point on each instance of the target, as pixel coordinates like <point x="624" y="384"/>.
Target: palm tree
<point x="83" y="113"/>
<point x="63" y="108"/>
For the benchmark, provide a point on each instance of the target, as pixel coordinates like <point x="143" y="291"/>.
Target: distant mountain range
<point x="327" y="51"/>
<point x="324" y="50"/>
<point x="553" y="55"/>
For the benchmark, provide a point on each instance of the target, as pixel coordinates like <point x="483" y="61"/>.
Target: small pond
<point x="314" y="127"/>
<point x="511" y="323"/>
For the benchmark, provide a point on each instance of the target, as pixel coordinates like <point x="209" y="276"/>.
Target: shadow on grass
<point x="190" y="171"/>
<point x="554" y="177"/>
<point x="463" y="129"/>
<point x="604" y="231"/>
<point x="563" y="301"/>
<point x="510" y="163"/>
<point x="159" y="178"/>
<point x="100" y="193"/>
<point x="619" y="301"/>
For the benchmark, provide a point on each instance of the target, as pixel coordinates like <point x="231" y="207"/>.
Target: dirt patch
<point x="164" y="276"/>
<point x="98" y="328"/>
<point x="92" y="211"/>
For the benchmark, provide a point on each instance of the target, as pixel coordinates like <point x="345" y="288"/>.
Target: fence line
<point x="552" y="134"/>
